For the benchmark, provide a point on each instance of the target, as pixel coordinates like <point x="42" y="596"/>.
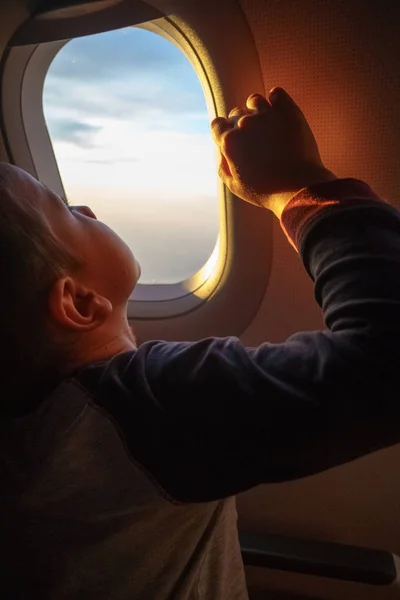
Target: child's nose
<point x="85" y="210"/>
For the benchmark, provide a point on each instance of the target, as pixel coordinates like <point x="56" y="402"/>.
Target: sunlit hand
<point x="268" y="151"/>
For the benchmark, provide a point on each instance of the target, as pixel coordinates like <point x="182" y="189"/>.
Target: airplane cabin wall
<point x="340" y="62"/>
<point x="12" y="14"/>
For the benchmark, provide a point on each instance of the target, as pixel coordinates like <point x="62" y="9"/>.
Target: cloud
<point x="170" y="163"/>
<point x="124" y="100"/>
<point x="156" y="124"/>
<point x="76" y="132"/>
<point x="107" y="161"/>
<point x="126" y="74"/>
<point x="110" y="55"/>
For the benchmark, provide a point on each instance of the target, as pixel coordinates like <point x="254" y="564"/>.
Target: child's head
<point x="66" y="278"/>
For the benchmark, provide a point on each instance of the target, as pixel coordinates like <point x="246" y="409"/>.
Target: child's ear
<point x="76" y="307"/>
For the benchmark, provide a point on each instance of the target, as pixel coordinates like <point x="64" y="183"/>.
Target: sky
<point x="130" y="130"/>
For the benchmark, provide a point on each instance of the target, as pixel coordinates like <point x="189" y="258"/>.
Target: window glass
<point x="130" y="130"/>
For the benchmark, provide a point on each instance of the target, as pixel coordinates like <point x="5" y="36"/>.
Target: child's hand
<point x="268" y="152"/>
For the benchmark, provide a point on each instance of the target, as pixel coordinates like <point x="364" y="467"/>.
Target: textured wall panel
<point x="340" y="61"/>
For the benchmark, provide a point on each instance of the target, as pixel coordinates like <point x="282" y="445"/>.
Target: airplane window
<point x="129" y="126"/>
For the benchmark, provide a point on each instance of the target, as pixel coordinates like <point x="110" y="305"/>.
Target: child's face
<point x="109" y="266"/>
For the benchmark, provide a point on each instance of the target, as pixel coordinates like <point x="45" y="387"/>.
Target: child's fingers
<point x="279" y="98"/>
<point x="224" y="172"/>
<point x="237" y="112"/>
<point x="258" y="103"/>
<point x="219" y="126"/>
<point x="224" y="168"/>
<point x="221" y="129"/>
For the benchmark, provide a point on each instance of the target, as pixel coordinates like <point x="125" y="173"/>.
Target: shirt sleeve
<point x="210" y="419"/>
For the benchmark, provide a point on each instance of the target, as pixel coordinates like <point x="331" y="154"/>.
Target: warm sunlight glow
<point x="210" y="268"/>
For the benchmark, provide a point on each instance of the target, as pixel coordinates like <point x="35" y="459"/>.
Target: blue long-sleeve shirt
<point x="112" y="487"/>
<point x="228" y="417"/>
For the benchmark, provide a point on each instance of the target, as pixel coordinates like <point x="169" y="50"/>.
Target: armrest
<point x="322" y="559"/>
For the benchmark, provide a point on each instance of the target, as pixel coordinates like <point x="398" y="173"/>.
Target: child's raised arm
<point x="212" y="418"/>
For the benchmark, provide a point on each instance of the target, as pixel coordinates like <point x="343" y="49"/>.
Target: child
<point x="118" y="465"/>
